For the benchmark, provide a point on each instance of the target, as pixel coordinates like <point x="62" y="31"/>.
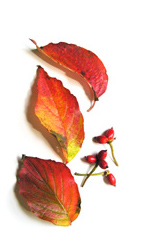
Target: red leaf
<point x="81" y="61"/>
<point x="50" y="190"/>
<point x="58" y="111"/>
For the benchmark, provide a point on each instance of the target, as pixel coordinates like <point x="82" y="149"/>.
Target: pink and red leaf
<point x="81" y="61"/>
<point x="50" y="190"/>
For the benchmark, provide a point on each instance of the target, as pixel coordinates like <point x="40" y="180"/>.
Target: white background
<point x="112" y="218"/>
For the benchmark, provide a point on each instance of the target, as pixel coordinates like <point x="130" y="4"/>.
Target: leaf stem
<point x="95" y="98"/>
<point x="112" y="152"/>
<point x="92" y="106"/>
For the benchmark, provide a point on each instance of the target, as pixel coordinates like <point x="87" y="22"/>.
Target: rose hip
<point x="103" y="164"/>
<point x="90" y="159"/>
<point x="110" y="134"/>
<point x="102" y="154"/>
<point x="101" y="139"/>
<point x="111" y="179"/>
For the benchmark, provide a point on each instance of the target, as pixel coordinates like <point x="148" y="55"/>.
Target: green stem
<point x="112" y="151"/>
<point x="89" y="174"/>
<point x="105" y="173"/>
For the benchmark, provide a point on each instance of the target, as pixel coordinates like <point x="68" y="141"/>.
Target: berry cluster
<point x="107" y="137"/>
<point x="99" y="159"/>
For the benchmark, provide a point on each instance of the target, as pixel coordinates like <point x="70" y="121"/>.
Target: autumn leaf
<point x="58" y="111"/>
<point x="81" y="61"/>
<point x="50" y="190"/>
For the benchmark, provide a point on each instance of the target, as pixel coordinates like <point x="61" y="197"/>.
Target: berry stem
<point x="89" y="174"/>
<point x="105" y="173"/>
<point x="112" y="152"/>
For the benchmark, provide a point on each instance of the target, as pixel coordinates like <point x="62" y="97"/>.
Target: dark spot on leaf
<point x="83" y="73"/>
<point x="78" y="206"/>
<point x="61" y="139"/>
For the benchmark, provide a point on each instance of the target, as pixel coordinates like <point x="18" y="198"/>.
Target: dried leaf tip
<point x="23" y="157"/>
<point x="38" y="66"/>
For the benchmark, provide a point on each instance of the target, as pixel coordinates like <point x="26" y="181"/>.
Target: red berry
<point x="110" y="134"/>
<point x="103" y="164"/>
<point x="111" y="179"/>
<point x="102" y="139"/>
<point x="102" y="154"/>
<point x="90" y="159"/>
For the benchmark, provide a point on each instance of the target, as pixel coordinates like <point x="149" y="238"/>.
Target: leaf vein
<point x="51" y="210"/>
